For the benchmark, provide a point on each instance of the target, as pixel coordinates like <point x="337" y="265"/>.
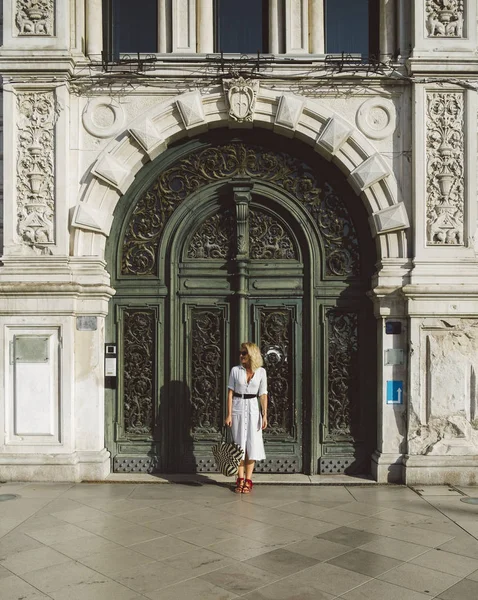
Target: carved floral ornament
<point x="268" y="238"/>
<point x="444" y="18"/>
<point x="445" y="177"/>
<point x="36" y="168"/>
<point x="175" y="184"/>
<point x="35" y="17"/>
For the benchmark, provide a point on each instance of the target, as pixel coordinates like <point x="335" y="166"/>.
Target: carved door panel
<point x="198" y="416"/>
<point x="348" y="424"/>
<point x="209" y="351"/>
<point x="277" y="325"/>
<point x="138" y="420"/>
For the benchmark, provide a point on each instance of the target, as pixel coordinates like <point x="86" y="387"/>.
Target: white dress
<point x="246" y="414"/>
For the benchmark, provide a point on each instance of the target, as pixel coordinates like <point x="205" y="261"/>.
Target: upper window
<point x="351" y="26"/>
<point x="241" y="26"/>
<point x="135" y="26"/>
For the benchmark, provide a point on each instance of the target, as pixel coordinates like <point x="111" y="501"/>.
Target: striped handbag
<point x="227" y="455"/>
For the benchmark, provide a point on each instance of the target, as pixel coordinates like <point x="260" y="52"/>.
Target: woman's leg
<point x="248" y="480"/>
<point x="249" y="468"/>
<point x="240" y="478"/>
<point x="240" y="470"/>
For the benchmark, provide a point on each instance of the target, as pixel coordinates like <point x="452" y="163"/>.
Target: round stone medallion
<point x="103" y="117"/>
<point x="376" y="118"/>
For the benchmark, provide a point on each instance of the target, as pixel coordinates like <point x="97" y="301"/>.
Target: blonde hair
<point x="255" y="356"/>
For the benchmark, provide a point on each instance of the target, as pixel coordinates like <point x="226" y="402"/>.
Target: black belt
<point x="244" y="395"/>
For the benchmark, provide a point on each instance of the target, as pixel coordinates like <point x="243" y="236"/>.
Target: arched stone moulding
<point x="191" y="113"/>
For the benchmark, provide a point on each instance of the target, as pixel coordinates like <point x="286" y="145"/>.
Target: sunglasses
<point x="243" y="352"/>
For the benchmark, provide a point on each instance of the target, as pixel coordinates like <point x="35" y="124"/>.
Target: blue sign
<point x="394" y="392"/>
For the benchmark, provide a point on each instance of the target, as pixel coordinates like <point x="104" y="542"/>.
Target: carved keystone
<point x="112" y="172"/>
<point x="85" y="217"/>
<point x="369" y="172"/>
<point x="333" y="136"/>
<point x="289" y="112"/>
<point x="148" y="137"/>
<point x="191" y="109"/>
<point x="391" y="218"/>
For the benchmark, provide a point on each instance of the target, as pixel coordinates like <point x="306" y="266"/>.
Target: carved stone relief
<point x="191" y="109"/>
<point x="443" y="418"/>
<point x="376" y="118"/>
<point x="445" y="172"/>
<point x="241" y="97"/>
<point x="35" y="17"/>
<point x="36" y="169"/>
<point x="103" y="118"/>
<point x="444" y="18"/>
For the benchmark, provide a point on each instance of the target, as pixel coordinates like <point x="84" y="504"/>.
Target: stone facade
<point x="77" y="132"/>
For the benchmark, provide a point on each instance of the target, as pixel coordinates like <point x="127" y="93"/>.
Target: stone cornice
<point x="452" y="64"/>
<point x="41" y="289"/>
<point x="26" y="64"/>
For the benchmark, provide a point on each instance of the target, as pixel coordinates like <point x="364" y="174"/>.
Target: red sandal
<point x="247" y="487"/>
<point x="239" y="485"/>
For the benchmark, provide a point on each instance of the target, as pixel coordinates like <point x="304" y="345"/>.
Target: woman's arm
<point x="263" y="400"/>
<point x="228" y="420"/>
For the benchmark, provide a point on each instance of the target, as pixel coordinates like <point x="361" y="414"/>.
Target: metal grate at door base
<point x="135" y="464"/>
<point x="278" y="465"/>
<point x="273" y="465"/>
<point x="206" y="465"/>
<point x="335" y="465"/>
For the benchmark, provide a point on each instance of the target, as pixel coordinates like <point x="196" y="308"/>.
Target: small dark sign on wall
<point x="393" y="327"/>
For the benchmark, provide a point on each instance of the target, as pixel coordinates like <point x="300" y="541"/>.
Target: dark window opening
<point x="351" y="27"/>
<point x="242" y="26"/>
<point x="133" y="26"/>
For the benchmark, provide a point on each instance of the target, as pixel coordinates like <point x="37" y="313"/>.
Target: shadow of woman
<point x="173" y="429"/>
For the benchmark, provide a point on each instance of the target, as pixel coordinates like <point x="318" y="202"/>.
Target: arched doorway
<point x="231" y="239"/>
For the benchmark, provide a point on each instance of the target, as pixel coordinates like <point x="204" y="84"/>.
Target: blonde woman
<point x="247" y="387"/>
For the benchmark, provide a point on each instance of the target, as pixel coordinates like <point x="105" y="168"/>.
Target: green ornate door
<point x="232" y="242"/>
<point x="230" y="291"/>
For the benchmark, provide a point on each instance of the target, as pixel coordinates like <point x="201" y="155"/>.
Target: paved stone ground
<point x="190" y="541"/>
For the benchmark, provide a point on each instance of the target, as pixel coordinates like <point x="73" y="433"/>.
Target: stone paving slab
<point x="192" y="538"/>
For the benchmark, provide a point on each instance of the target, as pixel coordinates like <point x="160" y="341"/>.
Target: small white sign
<point x="110" y="367"/>
<point x="394" y="356"/>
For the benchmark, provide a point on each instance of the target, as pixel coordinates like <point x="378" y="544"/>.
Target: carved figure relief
<point x="445" y="176"/>
<point x="214" y="238"/>
<point x="444" y="18"/>
<point x="222" y="162"/>
<point x="35" y="17"/>
<point x="269" y="239"/>
<point x="36" y="169"/>
<point x="241" y="97"/>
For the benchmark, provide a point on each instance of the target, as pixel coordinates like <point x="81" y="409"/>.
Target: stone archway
<point x="292" y="116"/>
